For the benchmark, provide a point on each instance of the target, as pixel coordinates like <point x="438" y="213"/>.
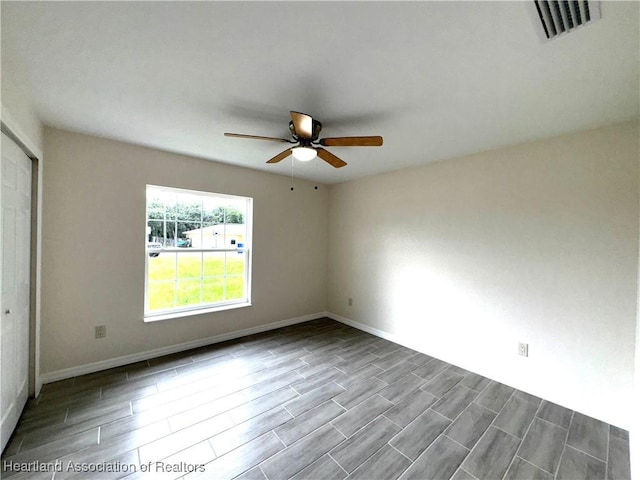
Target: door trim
<point x="10" y="128"/>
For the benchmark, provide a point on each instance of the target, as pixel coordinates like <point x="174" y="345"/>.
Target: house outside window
<point x="198" y="255"/>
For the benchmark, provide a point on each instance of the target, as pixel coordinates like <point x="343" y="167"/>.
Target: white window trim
<point x="167" y="314"/>
<point x="193" y="312"/>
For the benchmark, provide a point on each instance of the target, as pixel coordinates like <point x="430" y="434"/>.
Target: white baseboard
<point x="361" y="326"/>
<point x="181" y="347"/>
<point x="373" y="331"/>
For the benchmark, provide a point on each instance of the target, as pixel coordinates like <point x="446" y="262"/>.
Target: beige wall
<point x="634" y="434"/>
<point x="93" y="248"/>
<point x="536" y="243"/>
<point x="460" y="259"/>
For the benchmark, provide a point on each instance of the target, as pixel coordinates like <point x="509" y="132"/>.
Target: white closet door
<point x="14" y="306"/>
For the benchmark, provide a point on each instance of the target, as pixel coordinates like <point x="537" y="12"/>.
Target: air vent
<point x="558" y="17"/>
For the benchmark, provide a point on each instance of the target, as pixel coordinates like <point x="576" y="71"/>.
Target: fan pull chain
<point x="317" y="162"/>
<point x="292" y="173"/>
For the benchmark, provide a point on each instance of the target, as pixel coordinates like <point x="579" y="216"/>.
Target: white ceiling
<point x="436" y="79"/>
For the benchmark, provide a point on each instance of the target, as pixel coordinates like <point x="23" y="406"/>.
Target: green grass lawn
<point x="178" y="280"/>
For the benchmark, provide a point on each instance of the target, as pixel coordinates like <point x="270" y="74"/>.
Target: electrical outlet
<point x="523" y="349"/>
<point x="350" y="302"/>
<point x="101" y="331"/>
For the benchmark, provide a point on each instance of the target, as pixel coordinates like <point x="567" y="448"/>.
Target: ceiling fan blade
<point x="281" y="156"/>
<point x="257" y="137"/>
<point x="303" y="125"/>
<point x="330" y="158"/>
<point x="352" y="142"/>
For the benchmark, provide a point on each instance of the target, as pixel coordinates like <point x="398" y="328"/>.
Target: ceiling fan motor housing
<point x="316" y="129"/>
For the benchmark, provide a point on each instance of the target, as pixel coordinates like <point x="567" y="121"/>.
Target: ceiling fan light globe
<point x="304" y="154"/>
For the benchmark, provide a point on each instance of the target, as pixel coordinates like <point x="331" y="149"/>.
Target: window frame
<point x="177" y="312"/>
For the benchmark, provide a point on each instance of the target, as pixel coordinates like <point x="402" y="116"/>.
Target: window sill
<point x="191" y="313"/>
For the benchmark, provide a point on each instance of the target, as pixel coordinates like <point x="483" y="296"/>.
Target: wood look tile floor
<point x="318" y="400"/>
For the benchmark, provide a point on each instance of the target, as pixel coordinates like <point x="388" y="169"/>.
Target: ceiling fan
<point x="305" y="131"/>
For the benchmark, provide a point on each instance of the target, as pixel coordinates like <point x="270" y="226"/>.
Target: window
<point x="197" y="255"/>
